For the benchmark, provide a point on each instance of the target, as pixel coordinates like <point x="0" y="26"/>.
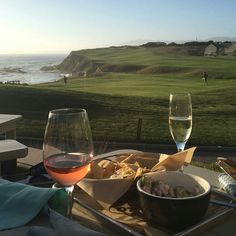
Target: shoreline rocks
<point x="6" y="70"/>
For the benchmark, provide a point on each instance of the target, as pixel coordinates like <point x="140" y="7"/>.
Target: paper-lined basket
<point x="107" y="191"/>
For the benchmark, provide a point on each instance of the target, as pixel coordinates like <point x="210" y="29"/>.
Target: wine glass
<point x="180" y="119"/>
<point x="67" y="148"/>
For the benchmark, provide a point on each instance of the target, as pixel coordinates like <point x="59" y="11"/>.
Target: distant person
<point x="65" y="79"/>
<point x="205" y="77"/>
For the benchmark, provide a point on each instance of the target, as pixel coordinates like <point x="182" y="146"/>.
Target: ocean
<point x="26" y="68"/>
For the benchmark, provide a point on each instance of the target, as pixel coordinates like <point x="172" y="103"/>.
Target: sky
<point x="60" y="26"/>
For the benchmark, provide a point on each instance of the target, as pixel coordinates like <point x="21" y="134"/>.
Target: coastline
<point x="26" y="69"/>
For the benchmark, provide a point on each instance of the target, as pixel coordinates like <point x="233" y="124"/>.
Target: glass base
<point x="62" y="201"/>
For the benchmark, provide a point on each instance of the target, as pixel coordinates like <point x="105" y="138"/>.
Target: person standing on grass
<point x="65" y="79"/>
<point x="205" y="77"/>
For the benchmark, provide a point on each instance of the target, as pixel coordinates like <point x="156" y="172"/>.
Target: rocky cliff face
<point x="76" y="63"/>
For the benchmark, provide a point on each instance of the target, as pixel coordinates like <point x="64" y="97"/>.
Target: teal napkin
<point x="20" y="203"/>
<point x="61" y="226"/>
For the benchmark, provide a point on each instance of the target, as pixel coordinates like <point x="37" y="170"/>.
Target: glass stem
<point x="69" y="191"/>
<point x="182" y="167"/>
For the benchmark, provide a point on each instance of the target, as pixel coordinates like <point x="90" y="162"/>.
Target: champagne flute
<point x="180" y="119"/>
<point x="67" y="148"/>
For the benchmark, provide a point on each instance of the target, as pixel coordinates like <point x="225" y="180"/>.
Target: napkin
<point x="20" y="203"/>
<point x="61" y="226"/>
<point x="175" y="161"/>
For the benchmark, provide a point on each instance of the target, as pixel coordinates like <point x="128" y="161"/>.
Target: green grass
<point x="115" y="101"/>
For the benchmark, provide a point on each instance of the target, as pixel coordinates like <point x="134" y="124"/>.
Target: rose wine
<point x="68" y="169"/>
<point x="180" y="128"/>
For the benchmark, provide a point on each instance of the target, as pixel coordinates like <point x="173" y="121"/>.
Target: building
<point x="231" y="50"/>
<point x="211" y="50"/>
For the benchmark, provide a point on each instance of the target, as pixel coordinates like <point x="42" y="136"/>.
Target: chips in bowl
<point x="118" y="173"/>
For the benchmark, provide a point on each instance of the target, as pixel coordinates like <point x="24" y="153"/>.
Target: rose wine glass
<point x="67" y="148"/>
<point x="180" y="119"/>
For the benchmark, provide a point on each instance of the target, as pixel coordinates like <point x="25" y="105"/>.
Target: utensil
<point x="223" y="203"/>
<point x="228" y="166"/>
<point x="116" y="153"/>
<point x="180" y="119"/>
<point x="223" y="194"/>
<point x="67" y="148"/>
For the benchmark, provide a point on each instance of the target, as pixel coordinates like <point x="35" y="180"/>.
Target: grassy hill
<point x="135" y="83"/>
<point x="141" y="60"/>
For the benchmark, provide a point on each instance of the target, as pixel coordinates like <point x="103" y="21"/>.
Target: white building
<point x="211" y="50"/>
<point x="231" y="50"/>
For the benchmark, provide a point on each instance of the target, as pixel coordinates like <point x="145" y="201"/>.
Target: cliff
<point x="127" y="59"/>
<point x="74" y="63"/>
<point x="77" y="63"/>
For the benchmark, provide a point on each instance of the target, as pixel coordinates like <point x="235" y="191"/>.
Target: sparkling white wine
<point x="180" y="128"/>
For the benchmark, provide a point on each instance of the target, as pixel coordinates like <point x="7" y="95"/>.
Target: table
<point x="222" y="226"/>
<point x="8" y="125"/>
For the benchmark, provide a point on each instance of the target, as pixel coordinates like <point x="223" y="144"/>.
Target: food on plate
<point x="162" y="189"/>
<point x="120" y="168"/>
<point x="110" y="169"/>
<point x="123" y="171"/>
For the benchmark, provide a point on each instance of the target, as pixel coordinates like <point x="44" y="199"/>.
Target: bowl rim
<point x="207" y="191"/>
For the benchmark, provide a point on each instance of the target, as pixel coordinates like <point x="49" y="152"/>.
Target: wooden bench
<point x="10" y="150"/>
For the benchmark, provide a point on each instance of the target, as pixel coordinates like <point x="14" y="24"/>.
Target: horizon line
<point x="66" y="52"/>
